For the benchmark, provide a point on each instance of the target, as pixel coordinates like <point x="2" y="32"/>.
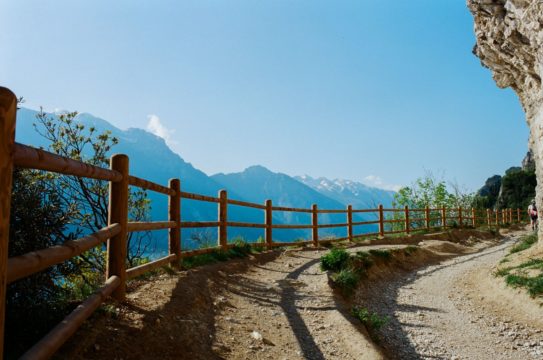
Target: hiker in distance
<point x="532" y="212"/>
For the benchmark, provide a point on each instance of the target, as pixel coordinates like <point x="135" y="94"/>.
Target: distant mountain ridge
<point x="258" y="184"/>
<point x="152" y="159"/>
<point x="349" y="192"/>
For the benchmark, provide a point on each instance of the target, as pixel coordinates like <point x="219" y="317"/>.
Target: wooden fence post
<point x="510" y="215"/>
<point x="315" y="224"/>
<point x="8" y="110"/>
<point x="473" y="217"/>
<point x="350" y="222"/>
<point x="460" y="220"/>
<point x="444" y="217"/>
<point x="518" y="215"/>
<point x="407" y="221"/>
<point x="381" y="222"/>
<point x="118" y="213"/>
<point x="269" y="222"/>
<point x="223" y="218"/>
<point x="497" y="216"/>
<point x="174" y="214"/>
<point x="427" y="217"/>
<point x="488" y="217"/>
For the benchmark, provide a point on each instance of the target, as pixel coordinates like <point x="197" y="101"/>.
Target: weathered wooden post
<point x="407" y="222"/>
<point x="427" y="217"/>
<point x="497" y="215"/>
<point x="350" y="222"/>
<point x="518" y="215"/>
<point x="510" y="215"/>
<point x="381" y="222"/>
<point x="174" y="214"/>
<point x="473" y="217"/>
<point x="488" y="221"/>
<point x="443" y="217"/>
<point x="315" y="225"/>
<point x="460" y="220"/>
<point x="8" y="110"/>
<point x="223" y="218"/>
<point x="118" y="213"/>
<point x="269" y="223"/>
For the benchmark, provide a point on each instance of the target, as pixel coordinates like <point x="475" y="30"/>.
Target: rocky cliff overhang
<point x="509" y="37"/>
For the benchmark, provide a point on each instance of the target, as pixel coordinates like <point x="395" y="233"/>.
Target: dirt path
<point x="440" y="312"/>
<point x="290" y="304"/>
<point x="279" y="305"/>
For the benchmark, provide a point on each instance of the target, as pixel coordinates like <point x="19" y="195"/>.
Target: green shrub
<point x="536" y="286"/>
<point x="346" y="279"/>
<point x="335" y="260"/>
<point x="385" y="254"/>
<point x="371" y="320"/>
<point x="364" y="258"/>
<point x="410" y="250"/>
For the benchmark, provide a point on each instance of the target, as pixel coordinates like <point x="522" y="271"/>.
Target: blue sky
<point x="375" y="90"/>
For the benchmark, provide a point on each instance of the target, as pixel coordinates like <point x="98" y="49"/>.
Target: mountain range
<point x="152" y="159"/>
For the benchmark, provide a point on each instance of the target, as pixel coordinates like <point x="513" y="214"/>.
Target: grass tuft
<point x="533" y="284"/>
<point x="526" y="242"/>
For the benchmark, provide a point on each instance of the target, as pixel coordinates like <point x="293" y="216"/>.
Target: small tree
<point x="86" y="200"/>
<point x="430" y="192"/>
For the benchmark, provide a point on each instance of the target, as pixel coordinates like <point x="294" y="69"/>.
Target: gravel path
<point x="432" y="315"/>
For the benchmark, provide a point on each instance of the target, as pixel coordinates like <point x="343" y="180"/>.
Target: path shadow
<point x="387" y="291"/>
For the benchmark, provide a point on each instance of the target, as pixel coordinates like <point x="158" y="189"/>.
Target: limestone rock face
<point x="509" y="37"/>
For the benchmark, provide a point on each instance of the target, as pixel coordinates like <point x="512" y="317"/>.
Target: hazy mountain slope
<point x="152" y="159"/>
<point x="258" y="184"/>
<point x="347" y="192"/>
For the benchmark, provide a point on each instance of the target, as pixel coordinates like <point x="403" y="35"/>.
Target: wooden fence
<point x="12" y="154"/>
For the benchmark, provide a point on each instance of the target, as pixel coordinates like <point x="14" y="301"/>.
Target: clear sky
<point x="375" y="90"/>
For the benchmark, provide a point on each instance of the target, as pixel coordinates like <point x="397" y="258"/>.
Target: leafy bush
<point x="372" y="320"/>
<point x="410" y="250"/>
<point x="346" y="280"/>
<point x="335" y="260"/>
<point x="385" y="254"/>
<point x="364" y="258"/>
<point x="35" y="303"/>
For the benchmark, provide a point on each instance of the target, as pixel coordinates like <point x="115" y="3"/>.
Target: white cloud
<point x="156" y="127"/>
<point x="376" y="181"/>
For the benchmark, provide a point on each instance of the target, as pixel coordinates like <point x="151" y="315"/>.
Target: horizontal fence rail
<point x="388" y="220"/>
